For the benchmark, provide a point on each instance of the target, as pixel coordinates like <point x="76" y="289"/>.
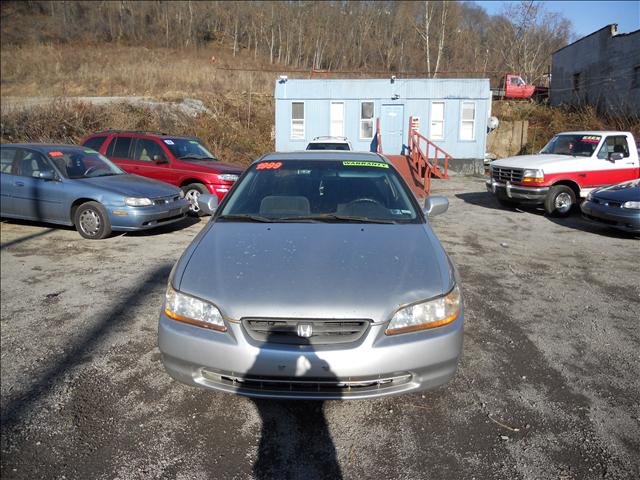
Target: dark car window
<point x="79" y="163"/>
<point x="145" y="150"/>
<point x="112" y="145"/>
<point x="32" y="164"/>
<point x="8" y="156"/>
<point x="614" y="144"/>
<point x="304" y="188"/>
<point x="95" y="142"/>
<point x="328" y="146"/>
<point x="188" y="149"/>
<point x="122" y="147"/>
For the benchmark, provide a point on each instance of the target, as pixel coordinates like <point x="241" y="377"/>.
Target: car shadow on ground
<point x="186" y="222"/>
<point x="574" y="221"/>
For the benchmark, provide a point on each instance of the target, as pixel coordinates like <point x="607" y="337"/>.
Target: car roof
<point x="330" y="155"/>
<point x="330" y="140"/>
<point x="595" y="132"/>
<point x="141" y="132"/>
<point x="44" y="147"/>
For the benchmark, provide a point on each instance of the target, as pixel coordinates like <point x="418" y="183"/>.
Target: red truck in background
<point x="513" y="86"/>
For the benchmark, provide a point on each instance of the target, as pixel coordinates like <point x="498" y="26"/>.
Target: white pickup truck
<point x="570" y="166"/>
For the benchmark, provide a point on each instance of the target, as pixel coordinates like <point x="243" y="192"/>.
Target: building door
<point x="336" y="128"/>
<point x="392" y="128"/>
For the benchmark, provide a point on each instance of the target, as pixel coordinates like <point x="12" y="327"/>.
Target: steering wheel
<point x="90" y="169"/>
<point x="363" y="201"/>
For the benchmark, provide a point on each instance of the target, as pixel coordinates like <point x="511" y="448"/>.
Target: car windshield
<point x="82" y="163"/>
<point x="188" y="149"/>
<point x="576" y="145"/>
<point x="328" y="146"/>
<point x="323" y="191"/>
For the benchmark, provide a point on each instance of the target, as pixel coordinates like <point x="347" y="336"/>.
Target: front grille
<point x="316" y="331"/>
<point x="165" y="200"/>
<point x="502" y="174"/>
<point x="306" y="385"/>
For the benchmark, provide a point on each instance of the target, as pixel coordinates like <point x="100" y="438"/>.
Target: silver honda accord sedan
<point x="318" y="277"/>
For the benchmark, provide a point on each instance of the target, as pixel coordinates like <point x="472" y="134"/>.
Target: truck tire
<point x="559" y="201"/>
<point x="191" y="193"/>
<point x="92" y="221"/>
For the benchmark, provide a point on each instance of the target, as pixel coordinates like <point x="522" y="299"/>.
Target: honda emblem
<point x="305" y="330"/>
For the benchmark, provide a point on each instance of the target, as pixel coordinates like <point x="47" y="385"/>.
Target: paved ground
<point x="548" y="386"/>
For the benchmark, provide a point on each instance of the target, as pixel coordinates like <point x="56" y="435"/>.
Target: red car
<point x="180" y="161"/>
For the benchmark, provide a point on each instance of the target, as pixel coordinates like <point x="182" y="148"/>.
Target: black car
<point x="617" y="206"/>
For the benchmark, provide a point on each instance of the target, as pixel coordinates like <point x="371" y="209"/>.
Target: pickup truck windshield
<point x="321" y="191"/>
<point x="576" y="145"/>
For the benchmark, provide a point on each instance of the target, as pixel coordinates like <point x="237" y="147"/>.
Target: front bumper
<point x="376" y="366"/>
<point x="616" y="217"/>
<point x="517" y="192"/>
<point x="142" y="218"/>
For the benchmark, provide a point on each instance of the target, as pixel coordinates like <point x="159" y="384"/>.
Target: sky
<point x="587" y="16"/>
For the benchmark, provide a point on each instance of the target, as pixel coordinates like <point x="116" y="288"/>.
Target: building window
<point x="437" y="121"/>
<point x="468" y="121"/>
<point x="297" y="120"/>
<point x="336" y="128"/>
<point x="576" y="82"/>
<point x="366" y="120"/>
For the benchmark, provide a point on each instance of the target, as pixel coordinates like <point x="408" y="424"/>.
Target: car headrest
<point x="284" y="205"/>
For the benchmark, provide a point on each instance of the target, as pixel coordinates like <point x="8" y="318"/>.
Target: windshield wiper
<point x="331" y="217"/>
<point x="192" y="156"/>
<point x="246" y="218"/>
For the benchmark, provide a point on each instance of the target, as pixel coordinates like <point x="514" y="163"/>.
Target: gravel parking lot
<point x="548" y="385"/>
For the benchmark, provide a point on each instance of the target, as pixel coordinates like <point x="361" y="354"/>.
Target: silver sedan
<point x="318" y="277"/>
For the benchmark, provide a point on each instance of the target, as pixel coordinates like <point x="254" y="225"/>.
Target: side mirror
<point x="435" y="205"/>
<point x="616" y="156"/>
<point x="208" y="203"/>
<point x="47" y="175"/>
<point x="159" y="159"/>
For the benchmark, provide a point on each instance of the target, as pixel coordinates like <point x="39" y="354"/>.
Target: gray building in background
<point x="601" y="69"/>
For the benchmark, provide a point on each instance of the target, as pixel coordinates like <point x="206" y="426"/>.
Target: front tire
<point x="559" y="201"/>
<point x="91" y="221"/>
<point x="191" y="193"/>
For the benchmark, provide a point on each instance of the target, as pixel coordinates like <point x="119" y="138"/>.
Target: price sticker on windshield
<point x="56" y="154"/>
<point x="590" y="138"/>
<point x="268" y="166"/>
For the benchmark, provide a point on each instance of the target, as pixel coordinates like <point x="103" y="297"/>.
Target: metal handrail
<point x="378" y="136"/>
<point x="420" y="159"/>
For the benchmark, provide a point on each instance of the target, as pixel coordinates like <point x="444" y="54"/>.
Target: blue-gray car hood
<point x="621" y="192"/>
<point x="131" y="186"/>
<point x="314" y="270"/>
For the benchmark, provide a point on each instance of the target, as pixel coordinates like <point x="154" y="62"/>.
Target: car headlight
<point x="589" y="197"/>
<point x="531" y="175"/>
<point x="188" y="309"/>
<point x="228" y="177"/>
<point x="137" y="202"/>
<point x="434" y="313"/>
<point x="181" y="193"/>
<point x="631" y="205"/>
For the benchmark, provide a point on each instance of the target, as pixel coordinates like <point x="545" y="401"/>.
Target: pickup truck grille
<point x="320" y="332"/>
<point x="502" y="174"/>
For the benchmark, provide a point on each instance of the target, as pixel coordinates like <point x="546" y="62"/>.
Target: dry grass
<point x="65" y="70"/>
<point x="545" y="121"/>
<point x="229" y="131"/>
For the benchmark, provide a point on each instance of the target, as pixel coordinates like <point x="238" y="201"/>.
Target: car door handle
<point x="19" y="184"/>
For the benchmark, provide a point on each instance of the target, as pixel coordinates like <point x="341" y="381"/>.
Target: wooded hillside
<point x="429" y="39"/>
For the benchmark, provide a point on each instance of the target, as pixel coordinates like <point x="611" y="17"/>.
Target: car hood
<point x="131" y="186"/>
<point x="621" y="192"/>
<point x="315" y="270"/>
<point x="538" y="160"/>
